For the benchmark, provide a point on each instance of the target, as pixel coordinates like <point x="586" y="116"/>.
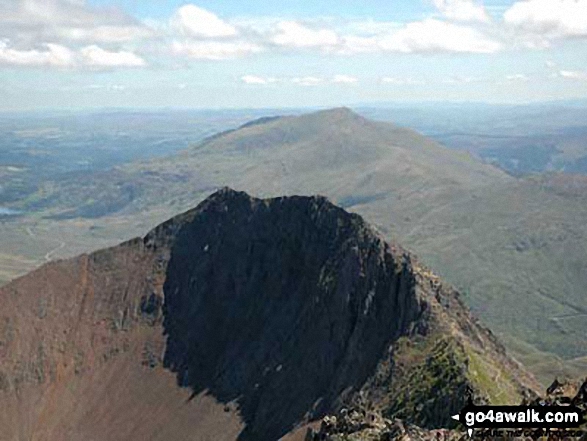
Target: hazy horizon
<point x="297" y="109"/>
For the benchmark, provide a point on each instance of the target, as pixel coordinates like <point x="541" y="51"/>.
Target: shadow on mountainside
<point x="283" y="306"/>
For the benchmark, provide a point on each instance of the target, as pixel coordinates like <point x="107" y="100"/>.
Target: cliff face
<point x="283" y="305"/>
<point x="243" y="318"/>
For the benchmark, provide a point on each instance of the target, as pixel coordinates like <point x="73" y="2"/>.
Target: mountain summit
<point x="243" y="319"/>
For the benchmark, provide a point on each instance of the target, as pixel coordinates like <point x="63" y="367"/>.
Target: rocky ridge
<point x="242" y="319"/>
<point x="358" y="425"/>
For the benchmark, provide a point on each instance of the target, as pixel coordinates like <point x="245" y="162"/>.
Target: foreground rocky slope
<point x="241" y="319"/>
<point x="358" y="425"/>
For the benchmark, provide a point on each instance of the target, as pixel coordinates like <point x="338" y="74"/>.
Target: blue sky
<point x="207" y="54"/>
<point x="376" y="9"/>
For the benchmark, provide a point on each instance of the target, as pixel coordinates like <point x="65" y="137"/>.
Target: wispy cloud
<point x="214" y="50"/>
<point x="54" y="55"/>
<point x="458" y="79"/>
<point x="517" y="77"/>
<point x="345" y="79"/>
<point x="401" y="81"/>
<point x="254" y="79"/>
<point x="105" y="34"/>
<point x="572" y="75"/>
<point x="308" y="81"/>
<point x="108" y="87"/>
<point x="301" y="81"/>
<point x="433" y="35"/>
<point x="94" y="56"/>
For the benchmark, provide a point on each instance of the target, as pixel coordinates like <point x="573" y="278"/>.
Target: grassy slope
<point x="515" y="247"/>
<point x="521" y="260"/>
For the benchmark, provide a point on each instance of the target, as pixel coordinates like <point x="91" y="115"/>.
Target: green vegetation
<point x="433" y="375"/>
<point x="430" y="381"/>
<point x="491" y="380"/>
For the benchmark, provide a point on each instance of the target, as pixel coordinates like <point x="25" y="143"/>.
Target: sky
<point x="86" y="54"/>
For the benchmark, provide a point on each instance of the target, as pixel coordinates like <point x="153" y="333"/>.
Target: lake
<point x="8" y="212"/>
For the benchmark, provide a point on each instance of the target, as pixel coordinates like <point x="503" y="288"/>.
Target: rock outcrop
<point x="241" y="319"/>
<point x="358" y="425"/>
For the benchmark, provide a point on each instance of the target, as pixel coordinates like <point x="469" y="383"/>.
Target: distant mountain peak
<point x="227" y="194"/>
<point x="338" y="113"/>
<point x="342" y="111"/>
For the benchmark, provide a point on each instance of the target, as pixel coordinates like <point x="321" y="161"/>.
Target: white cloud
<point x="401" y="81"/>
<point x="302" y="81"/>
<point x="207" y="37"/>
<point x="197" y="22"/>
<point x="214" y="50"/>
<point x="94" y="56"/>
<point x="517" y="77"/>
<point x="458" y="79"/>
<point x="53" y="55"/>
<point x="85" y="36"/>
<point x="107" y="87"/>
<point x="345" y="79"/>
<point x="433" y="35"/>
<point x="106" y="34"/>
<point x="308" y="81"/>
<point x="296" y="35"/>
<point x="350" y="37"/>
<point x="427" y="36"/>
<point x="573" y="75"/>
<point x="253" y="79"/>
<point x="372" y="27"/>
<point x="81" y="35"/>
<point x="67" y="34"/>
<point x="28" y="22"/>
<point x="462" y="10"/>
<point x="550" y="18"/>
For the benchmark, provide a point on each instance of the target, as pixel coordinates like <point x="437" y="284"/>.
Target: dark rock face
<point x="268" y="314"/>
<point x="285" y="306"/>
